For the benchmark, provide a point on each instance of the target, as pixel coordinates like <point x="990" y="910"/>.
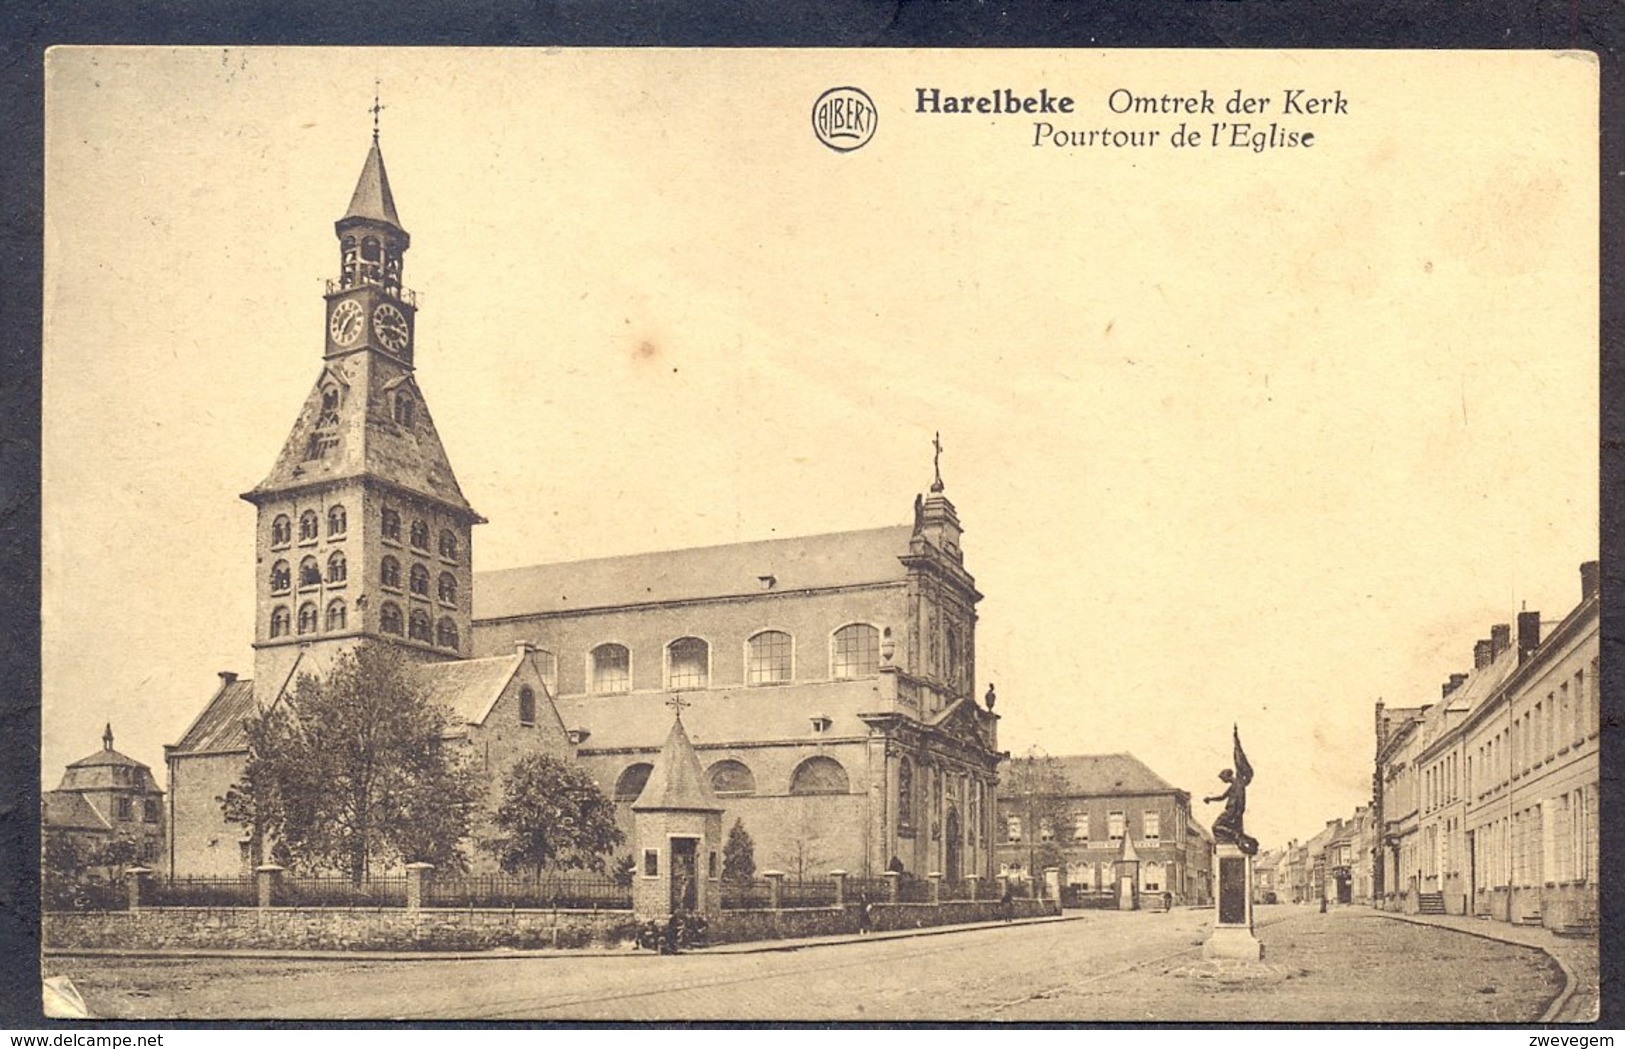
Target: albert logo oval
<point x="844" y="118"/>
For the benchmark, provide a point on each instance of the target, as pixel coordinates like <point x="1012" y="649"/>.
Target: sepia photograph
<point x="747" y="535"/>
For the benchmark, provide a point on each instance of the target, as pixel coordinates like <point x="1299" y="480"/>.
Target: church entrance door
<point x="956" y="837"/>
<point x="685" y="895"/>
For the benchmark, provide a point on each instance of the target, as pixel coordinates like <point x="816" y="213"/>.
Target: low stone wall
<point x="435" y="929"/>
<point x="334" y="929"/>
<point x="746" y="926"/>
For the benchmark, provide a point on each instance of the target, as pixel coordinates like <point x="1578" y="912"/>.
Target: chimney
<point x="523" y="648"/>
<point x="1455" y="682"/>
<point x="1500" y="638"/>
<point x="227" y="677"/>
<point x="1482" y="653"/>
<point x="1528" y="634"/>
<point x="1590" y="578"/>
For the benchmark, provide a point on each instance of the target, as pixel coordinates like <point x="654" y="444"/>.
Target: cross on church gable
<point x="677" y="703"/>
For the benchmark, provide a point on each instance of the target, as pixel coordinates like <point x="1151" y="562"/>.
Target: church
<point x="827" y="682"/>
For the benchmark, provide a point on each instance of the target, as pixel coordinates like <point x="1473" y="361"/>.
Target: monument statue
<point x="1228" y="829"/>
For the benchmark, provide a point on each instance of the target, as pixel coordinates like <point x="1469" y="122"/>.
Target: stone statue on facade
<point x="1228" y="828"/>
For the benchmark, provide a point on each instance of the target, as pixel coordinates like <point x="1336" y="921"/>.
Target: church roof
<point x="220" y="726"/>
<point x="69" y="810"/>
<point x="676" y="781"/>
<point x="372" y="201"/>
<point x="469" y="687"/>
<point x="1102" y="774"/>
<point x="735" y="570"/>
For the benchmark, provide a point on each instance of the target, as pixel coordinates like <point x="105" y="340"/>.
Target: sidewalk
<point x="497" y="954"/>
<point x="1578" y="1002"/>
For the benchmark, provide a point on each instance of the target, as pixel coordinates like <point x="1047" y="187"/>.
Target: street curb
<point x="1571" y="982"/>
<point x="748" y="947"/>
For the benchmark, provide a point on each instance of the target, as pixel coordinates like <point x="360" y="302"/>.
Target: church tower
<point x="362" y="530"/>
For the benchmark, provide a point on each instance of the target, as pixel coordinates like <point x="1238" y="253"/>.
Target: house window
<point x="548" y="663"/>
<point x="124" y="808"/>
<point x="281" y="531"/>
<point x="651" y="863"/>
<point x="309" y="526"/>
<point x="1152" y="826"/>
<point x="819" y="775"/>
<point x="392" y="525"/>
<point x="527" y="706"/>
<point x="732" y="777"/>
<point x="611" y="668"/>
<point x="1080" y="827"/>
<point x="1012" y="828"/>
<point x="335" y="614"/>
<point x="905" y="793"/>
<point x="445" y="633"/>
<point x="336" y="567"/>
<point x="1046" y="829"/>
<point x="769" y="658"/>
<point x="281" y="577"/>
<point x="632" y="780"/>
<point x="389" y="618"/>
<point x="420" y="536"/>
<point x="1114" y="826"/>
<point x="280" y="621"/>
<point x="688" y="663"/>
<point x="1151" y="877"/>
<point x="149" y="810"/>
<point x="420" y="581"/>
<point x="448" y="588"/>
<point x="307" y="618"/>
<point x="857" y="651"/>
<point x="389" y="573"/>
<point x="336" y="522"/>
<point x="404" y="409"/>
<point x="417" y="626"/>
<point x="448" y="545"/>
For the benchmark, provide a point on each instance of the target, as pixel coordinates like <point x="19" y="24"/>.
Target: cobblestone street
<point x="1349" y="965"/>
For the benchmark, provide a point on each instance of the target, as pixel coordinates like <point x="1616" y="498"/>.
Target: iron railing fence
<point x="564" y="890"/>
<point x="199" y="892"/>
<point x="913" y="890"/>
<point x="872" y="889"/>
<point x="819" y="893"/>
<point x="339" y="891"/>
<point x="754" y="895"/>
<point x="84" y="896"/>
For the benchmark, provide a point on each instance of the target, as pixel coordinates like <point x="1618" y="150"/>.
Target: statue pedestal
<point x="1232" y="935"/>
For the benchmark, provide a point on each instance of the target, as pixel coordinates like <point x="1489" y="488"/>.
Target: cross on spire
<point x="936" y="462"/>
<point x="677" y="703"/>
<point x="376" y="108"/>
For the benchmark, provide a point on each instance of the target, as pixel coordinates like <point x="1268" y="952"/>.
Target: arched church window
<point x="309" y="573"/>
<point x="420" y="536"/>
<point x="307" y="618"/>
<point x="337" y="521"/>
<point x="688" y="663"/>
<point x="732" y="777"/>
<point x="420" y="581"/>
<point x="389" y="572"/>
<point x="446" y="633"/>
<point x="347" y="261"/>
<point x="309" y="526"/>
<point x="857" y="651"/>
<point x="335" y="614"/>
<point x="281" y="531"/>
<point x="280" y="621"/>
<point x="371" y="250"/>
<point x="281" y="577"/>
<point x="448" y="588"/>
<point x="905" y="793"/>
<point x="819" y="775"/>
<point x="632" y="780"/>
<point x="418" y="626"/>
<point x="769" y="657"/>
<point x="330" y="399"/>
<point x="336" y="567"/>
<point x="389" y="618"/>
<point x="953" y="656"/>
<point x="404" y="414"/>
<point x="527" y="706"/>
<point x="548" y="664"/>
<point x="448" y="545"/>
<point x="611" y="668"/>
<point x="391" y="524"/>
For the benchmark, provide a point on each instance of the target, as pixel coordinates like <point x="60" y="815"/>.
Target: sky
<point x="1238" y="437"/>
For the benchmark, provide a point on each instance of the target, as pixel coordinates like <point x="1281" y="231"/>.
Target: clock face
<point x="346" y="322"/>
<point x="390" y="326"/>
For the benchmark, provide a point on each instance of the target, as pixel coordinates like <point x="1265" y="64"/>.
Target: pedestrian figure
<point x="674" y="932"/>
<point x="1007" y="904"/>
<point x="865" y="915"/>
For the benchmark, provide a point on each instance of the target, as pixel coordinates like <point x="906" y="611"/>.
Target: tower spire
<point x="107" y="737"/>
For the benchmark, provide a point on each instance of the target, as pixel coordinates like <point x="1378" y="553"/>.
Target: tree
<point x="351" y="770"/>
<point x="738" y="855"/>
<point x="1040" y="789"/>
<point x="552" y="815"/>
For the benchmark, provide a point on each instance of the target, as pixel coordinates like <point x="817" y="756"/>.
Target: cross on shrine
<point x="936" y="462"/>
<point x="377" y="107"/>
<point x="677" y="703"/>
